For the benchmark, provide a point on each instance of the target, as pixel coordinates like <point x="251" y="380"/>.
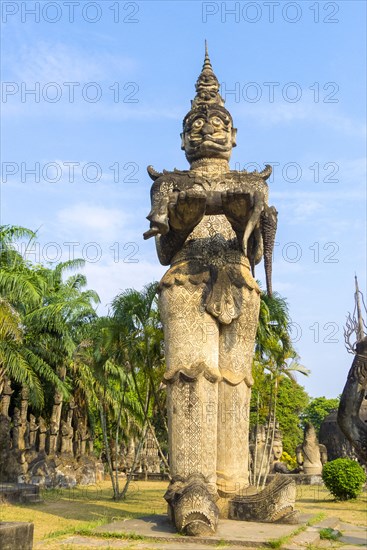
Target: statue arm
<point x="184" y="210"/>
<point x="299" y="455"/>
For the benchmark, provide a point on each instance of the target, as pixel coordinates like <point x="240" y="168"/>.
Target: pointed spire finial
<point x="207" y="64"/>
<point x="207" y="85"/>
<point x="207" y="91"/>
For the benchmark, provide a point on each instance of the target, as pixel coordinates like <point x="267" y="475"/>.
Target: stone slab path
<point x="159" y="534"/>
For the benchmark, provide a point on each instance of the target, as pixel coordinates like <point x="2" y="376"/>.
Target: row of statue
<point x="26" y="441"/>
<point x="21" y="433"/>
<point x="266" y="449"/>
<point x="31" y="435"/>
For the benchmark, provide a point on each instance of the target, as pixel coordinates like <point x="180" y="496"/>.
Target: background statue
<point x="352" y="413"/>
<point x="33" y="428"/>
<point x="42" y="435"/>
<point x="332" y="437"/>
<point x="310" y="454"/>
<point x="353" y="396"/>
<point x="211" y="225"/>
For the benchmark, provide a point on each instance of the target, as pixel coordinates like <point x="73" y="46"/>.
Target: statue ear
<point x="182" y="141"/>
<point x="234" y="136"/>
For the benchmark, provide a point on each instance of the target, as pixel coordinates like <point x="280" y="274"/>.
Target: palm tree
<point x="137" y="341"/>
<point x="21" y="291"/>
<point x="275" y="354"/>
<point x="55" y="328"/>
<point x="105" y="386"/>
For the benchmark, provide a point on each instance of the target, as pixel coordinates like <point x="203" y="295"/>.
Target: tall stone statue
<point x="212" y="226"/>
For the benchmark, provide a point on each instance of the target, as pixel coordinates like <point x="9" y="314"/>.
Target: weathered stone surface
<point x="310" y="454"/>
<point x="263" y="460"/>
<point x="192" y="506"/>
<point x="332" y="437"/>
<point x="212" y="225"/>
<point x="64" y="471"/>
<point x="353" y="399"/>
<point x="276" y="503"/>
<point x="16" y="536"/>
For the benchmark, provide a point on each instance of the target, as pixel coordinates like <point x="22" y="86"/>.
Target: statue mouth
<point x="195" y="142"/>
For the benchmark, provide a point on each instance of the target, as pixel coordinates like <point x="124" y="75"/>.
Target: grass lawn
<point x="313" y="499"/>
<point x="68" y="511"/>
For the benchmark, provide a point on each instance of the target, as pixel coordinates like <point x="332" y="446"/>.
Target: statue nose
<point x="207" y="129"/>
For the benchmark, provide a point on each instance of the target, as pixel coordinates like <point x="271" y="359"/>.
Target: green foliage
<point x="329" y="534"/>
<point x="292" y="401"/>
<point x="344" y="478"/>
<point x="275" y="391"/>
<point x="289" y="460"/>
<point x="317" y="410"/>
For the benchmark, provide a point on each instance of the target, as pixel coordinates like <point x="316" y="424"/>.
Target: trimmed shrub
<point x="344" y="478"/>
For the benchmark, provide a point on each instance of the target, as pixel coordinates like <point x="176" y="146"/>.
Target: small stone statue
<point x="19" y="429"/>
<point x="259" y="463"/>
<point x="310" y="454"/>
<point x="53" y="437"/>
<point x="33" y="428"/>
<point x="5" y="422"/>
<point x="277" y="451"/>
<point x="42" y="434"/>
<point x="5" y="398"/>
<point x="67" y="430"/>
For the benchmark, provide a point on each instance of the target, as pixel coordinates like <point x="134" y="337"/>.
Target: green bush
<point x="344" y="478"/>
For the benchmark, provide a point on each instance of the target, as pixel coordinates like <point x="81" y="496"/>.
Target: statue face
<point x="277" y="450"/>
<point x="208" y="135"/>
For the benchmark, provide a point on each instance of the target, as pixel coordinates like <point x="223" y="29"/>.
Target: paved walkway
<point x="159" y="534"/>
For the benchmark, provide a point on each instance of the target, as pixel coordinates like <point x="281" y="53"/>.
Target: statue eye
<point x="216" y="121"/>
<point x="198" y="123"/>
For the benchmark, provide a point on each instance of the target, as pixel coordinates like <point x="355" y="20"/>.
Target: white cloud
<point x="59" y="62"/>
<point x="305" y="210"/>
<point x="82" y="216"/>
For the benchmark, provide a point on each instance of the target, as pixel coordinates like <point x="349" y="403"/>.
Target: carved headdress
<point x="207" y="91"/>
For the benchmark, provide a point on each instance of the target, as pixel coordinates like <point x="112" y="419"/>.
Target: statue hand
<point x="186" y="209"/>
<point x="236" y="207"/>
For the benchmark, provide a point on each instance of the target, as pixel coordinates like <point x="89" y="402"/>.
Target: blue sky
<point x="113" y="82"/>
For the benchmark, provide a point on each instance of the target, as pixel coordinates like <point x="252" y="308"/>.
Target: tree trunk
<point x="107" y="449"/>
<point x="273" y="431"/>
